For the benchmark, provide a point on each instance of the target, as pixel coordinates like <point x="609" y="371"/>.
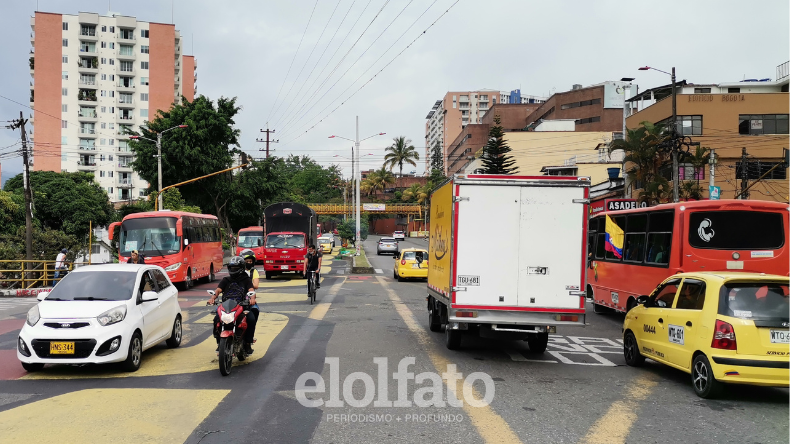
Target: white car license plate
<point x="283" y="267"/>
<point x="780" y="337"/>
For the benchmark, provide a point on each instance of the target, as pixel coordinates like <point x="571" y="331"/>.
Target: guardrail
<point x="24" y="274"/>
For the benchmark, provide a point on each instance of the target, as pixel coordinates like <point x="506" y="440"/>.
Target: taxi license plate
<point x="61" y="348"/>
<point x="415" y="265"/>
<point x="780" y="337"/>
<point x="283" y="267"/>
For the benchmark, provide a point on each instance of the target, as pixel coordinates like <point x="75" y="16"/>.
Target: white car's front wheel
<point x="135" y="355"/>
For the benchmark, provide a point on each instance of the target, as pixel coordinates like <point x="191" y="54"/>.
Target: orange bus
<point x="710" y="235"/>
<point x="251" y="238"/>
<point x="187" y="245"/>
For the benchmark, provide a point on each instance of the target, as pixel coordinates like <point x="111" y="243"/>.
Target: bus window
<point x="658" y="248"/>
<point x="599" y="247"/>
<point x="634" y="245"/>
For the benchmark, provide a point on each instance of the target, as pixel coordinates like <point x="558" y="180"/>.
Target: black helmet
<point x="247" y="254"/>
<point x="236" y="266"/>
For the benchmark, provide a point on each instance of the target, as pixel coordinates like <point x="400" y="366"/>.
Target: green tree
<point x="400" y="152"/>
<point x="205" y="146"/>
<point x="645" y="157"/>
<point x="348" y="230"/>
<point x="496" y="159"/>
<point x="11" y="212"/>
<point x="377" y="180"/>
<point x="437" y="157"/>
<point x="67" y="202"/>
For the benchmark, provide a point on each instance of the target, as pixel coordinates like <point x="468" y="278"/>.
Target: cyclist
<point x="235" y="286"/>
<point x="313" y="263"/>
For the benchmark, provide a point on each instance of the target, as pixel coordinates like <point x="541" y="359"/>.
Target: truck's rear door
<point x="551" y="246"/>
<point x="485" y="245"/>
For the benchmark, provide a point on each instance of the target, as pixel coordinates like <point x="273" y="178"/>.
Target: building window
<point x="143" y="97"/>
<point x="64" y="124"/>
<point x="143" y="65"/>
<point x="144" y="33"/>
<point x="144" y="80"/>
<point x="112" y="142"/>
<point x="103" y="125"/>
<point x="65" y="59"/>
<point x="112" y="93"/>
<point x="65" y="42"/>
<point x="112" y="110"/>
<point x="112" y="76"/>
<point x="65" y="75"/>
<point x="143" y="113"/>
<point x="104" y="76"/>
<point x="733" y="90"/>
<point x="64" y="140"/>
<point x="687" y="125"/>
<point x="64" y="91"/>
<point x="687" y="172"/>
<point x="112" y="45"/>
<point x="103" y="61"/>
<point x="64" y="108"/>
<point x="127" y="66"/>
<point x="701" y="90"/>
<point x="763" y="124"/>
<point x="143" y="49"/>
<point x="112" y="61"/>
<point x="102" y="141"/>
<point x="65" y="27"/>
<point x="109" y="190"/>
<point x="110" y="161"/>
<point x="126" y="50"/>
<point x="104" y="110"/>
<point x="588" y="120"/>
<point x="582" y="103"/>
<point x="103" y="44"/>
<point x="756" y="169"/>
<point x="103" y="29"/>
<point x="103" y="93"/>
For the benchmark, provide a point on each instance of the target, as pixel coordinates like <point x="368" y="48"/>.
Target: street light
<point x="158" y="156"/>
<point x="675" y="181"/>
<point x="357" y="175"/>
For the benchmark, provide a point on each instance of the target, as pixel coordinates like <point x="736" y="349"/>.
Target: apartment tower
<point x="101" y="75"/>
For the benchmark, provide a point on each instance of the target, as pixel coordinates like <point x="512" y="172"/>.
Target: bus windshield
<point x="250" y="239"/>
<point x="150" y="236"/>
<point x="285" y="241"/>
<point x="736" y="230"/>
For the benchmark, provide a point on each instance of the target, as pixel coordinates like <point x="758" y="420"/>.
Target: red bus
<point x="710" y="235"/>
<point x="187" y="245"/>
<point x="251" y="238"/>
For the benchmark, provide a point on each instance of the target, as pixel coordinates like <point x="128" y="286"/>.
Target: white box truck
<point x="507" y="256"/>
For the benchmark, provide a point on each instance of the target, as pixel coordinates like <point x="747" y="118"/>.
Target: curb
<point x="23" y="293"/>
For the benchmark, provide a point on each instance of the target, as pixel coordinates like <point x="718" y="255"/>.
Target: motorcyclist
<point x="236" y="286"/>
<point x="249" y="264"/>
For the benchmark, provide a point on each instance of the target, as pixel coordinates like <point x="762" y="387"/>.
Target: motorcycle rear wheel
<point x="225" y="355"/>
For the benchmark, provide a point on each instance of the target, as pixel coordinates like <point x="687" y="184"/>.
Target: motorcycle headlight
<point x="173" y="267"/>
<point x="33" y="316"/>
<point x="112" y="316"/>
<point x="227" y="318"/>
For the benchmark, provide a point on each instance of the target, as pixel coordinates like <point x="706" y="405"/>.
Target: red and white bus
<point x="251" y="238"/>
<point x="710" y="235"/>
<point x="187" y="245"/>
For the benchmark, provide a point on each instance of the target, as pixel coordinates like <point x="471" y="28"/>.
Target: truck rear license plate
<point x="468" y="281"/>
<point x="780" y="337"/>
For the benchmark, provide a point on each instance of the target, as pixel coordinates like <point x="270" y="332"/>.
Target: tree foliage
<point x="645" y="157"/>
<point x="377" y="180"/>
<point x="437" y="157"/>
<point x="496" y="159"/>
<point x="348" y="230"/>
<point x="400" y="152"/>
<point x="67" y="202"/>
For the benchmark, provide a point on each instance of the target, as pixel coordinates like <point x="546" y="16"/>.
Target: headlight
<point x="112" y="316"/>
<point x="33" y="316"/>
<point x="228" y="318"/>
<point x="173" y="267"/>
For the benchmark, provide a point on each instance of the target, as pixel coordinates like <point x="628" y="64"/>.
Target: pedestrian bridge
<point x="367" y="208"/>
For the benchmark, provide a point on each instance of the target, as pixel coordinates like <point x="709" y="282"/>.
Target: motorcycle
<point x="231" y="326"/>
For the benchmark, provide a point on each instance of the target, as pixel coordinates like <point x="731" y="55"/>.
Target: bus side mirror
<point x="186" y="242"/>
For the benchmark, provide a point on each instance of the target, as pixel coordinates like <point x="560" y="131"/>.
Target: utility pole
<point x="744" y="194"/>
<point x="359" y="177"/>
<point x="159" y="200"/>
<point x="267" y="141"/>
<point x="712" y="162"/>
<point x="26" y="183"/>
<point x="675" y="179"/>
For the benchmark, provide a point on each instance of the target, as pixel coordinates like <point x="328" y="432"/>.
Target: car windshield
<point x="285" y="241"/>
<point x="94" y="286"/>
<point x="736" y="230"/>
<point x="151" y="236"/>
<point x="324" y="241"/>
<point x="250" y="239"/>
<point x="755" y="301"/>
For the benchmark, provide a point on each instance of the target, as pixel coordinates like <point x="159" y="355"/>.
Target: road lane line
<point x="322" y="308"/>
<point x="490" y="426"/>
<point x="518" y="357"/>
<point x="613" y="427"/>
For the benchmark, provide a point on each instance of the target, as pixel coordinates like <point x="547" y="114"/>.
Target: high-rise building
<point x="101" y="75"/>
<point x="451" y="114"/>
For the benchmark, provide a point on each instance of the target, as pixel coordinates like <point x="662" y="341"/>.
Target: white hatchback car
<point x="399" y="235"/>
<point x="101" y="314"/>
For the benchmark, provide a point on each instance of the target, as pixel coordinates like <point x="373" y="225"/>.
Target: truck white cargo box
<point x="508" y="253"/>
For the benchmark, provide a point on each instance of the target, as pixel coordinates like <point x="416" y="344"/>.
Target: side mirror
<point x="149" y="296"/>
<point x="41" y="295"/>
<point x="186" y="242"/>
<point x="396" y="256"/>
<point x="642" y="300"/>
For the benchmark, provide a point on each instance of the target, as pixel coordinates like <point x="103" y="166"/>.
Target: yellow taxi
<point x="411" y="263"/>
<point x="325" y="244"/>
<point x="723" y="327"/>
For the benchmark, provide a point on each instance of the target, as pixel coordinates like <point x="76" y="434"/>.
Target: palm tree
<point x="377" y="181"/>
<point x="416" y="192"/>
<point x="401" y="151"/>
<point x="644" y="149"/>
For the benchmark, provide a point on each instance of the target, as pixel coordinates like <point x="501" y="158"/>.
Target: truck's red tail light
<point x="466" y="314"/>
<point x="724" y="336"/>
<point x="568" y="318"/>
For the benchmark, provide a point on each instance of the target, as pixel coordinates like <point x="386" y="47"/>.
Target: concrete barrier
<point x="22" y="293"/>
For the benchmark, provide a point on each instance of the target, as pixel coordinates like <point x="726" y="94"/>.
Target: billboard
<point x="373" y="207"/>
<point x="614" y="94"/>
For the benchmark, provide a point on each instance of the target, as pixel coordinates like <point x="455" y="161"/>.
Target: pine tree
<point x="496" y="159"/>
<point x="437" y="157"/>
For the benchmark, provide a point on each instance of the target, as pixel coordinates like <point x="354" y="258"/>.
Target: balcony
<point x="87" y="83"/>
<point x="86" y="165"/>
<point x="126" y="55"/>
<point x="88" y="65"/>
<point x="126" y="71"/>
<point x="125" y="118"/>
<point x="87" y="116"/>
<point x="124" y="183"/>
<point x="124" y="149"/>
<point x="88" y="132"/>
<point x="88" y="50"/>
<point x="126" y="38"/>
<point x="125" y="165"/>
<point x="84" y="147"/>
<point x="125" y="102"/>
<point x="86" y="97"/>
<point x="88" y="34"/>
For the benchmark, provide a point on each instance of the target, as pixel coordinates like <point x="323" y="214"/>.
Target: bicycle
<point x="311" y="287"/>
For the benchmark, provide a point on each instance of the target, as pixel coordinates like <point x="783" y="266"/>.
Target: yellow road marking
<point x="268" y="298"/>
<point x="615" y="424"/>
<point x="490" y="426"/>
<point x="322" y="308"/>
<point x="207" y="319"/>
<point x="290" y="280"/>
<point x="111" y="415"/>
<point x="163" y="361"/>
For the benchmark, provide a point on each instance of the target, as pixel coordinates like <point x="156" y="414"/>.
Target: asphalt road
<point x="578" y="391"/>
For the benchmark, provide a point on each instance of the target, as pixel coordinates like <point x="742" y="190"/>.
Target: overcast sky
<point x="245" y="48"/>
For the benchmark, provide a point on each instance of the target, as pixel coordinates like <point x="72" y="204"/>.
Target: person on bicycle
<point x="312" y="262"/>
<point x="236" y="286"/>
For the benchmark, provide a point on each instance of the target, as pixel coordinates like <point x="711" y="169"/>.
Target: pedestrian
<point x="60" y="264"/>
<point x="136" y="258"/>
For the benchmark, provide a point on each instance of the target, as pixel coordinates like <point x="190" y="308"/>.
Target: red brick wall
<point x="162" y="68"/>
<point x="188" y="77"/>
<point x="48" y="96"/>
<point x="611" y="118"/>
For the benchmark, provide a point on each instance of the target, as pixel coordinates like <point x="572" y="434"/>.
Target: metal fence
<point x="24" y="274"/>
